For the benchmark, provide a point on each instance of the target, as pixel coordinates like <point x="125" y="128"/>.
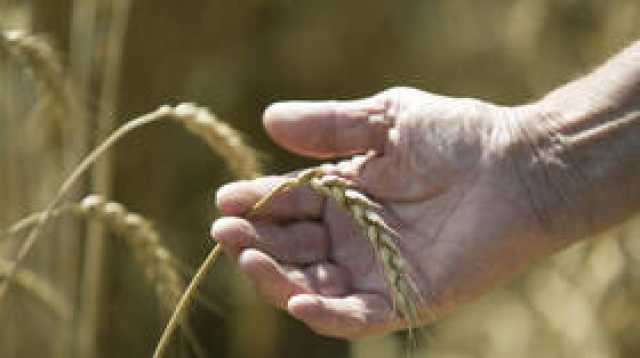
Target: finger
<point x="237" y="198"/>
<point x="235" y="234"/>
<point x="277" y="283"/>
<point x="351" y="317"/>
<point x="271" y="279"/>
<point x="301" y="242"/>
<point x="328" y="129"/>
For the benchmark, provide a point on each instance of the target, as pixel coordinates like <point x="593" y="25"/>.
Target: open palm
<point x="442" y="170"/>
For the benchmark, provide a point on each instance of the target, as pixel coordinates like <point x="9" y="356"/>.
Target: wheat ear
<point x="39" y="59"/>
<point x="159" y="264"/>
<point x="161" y="267"/>
<point x="39" y="289"/>
<point x="43" y="63"/>
<point x="223" y="139"/>
<point x="380" y="235"/>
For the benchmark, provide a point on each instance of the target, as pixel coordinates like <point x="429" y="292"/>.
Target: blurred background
<point x="123" y="58"/>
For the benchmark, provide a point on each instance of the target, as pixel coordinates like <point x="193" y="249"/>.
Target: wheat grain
<point x="223" y="139"/>
<point x="39" y="289"/>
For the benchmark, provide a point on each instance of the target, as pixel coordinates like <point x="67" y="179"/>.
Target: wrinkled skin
<point x="443" y="170"/>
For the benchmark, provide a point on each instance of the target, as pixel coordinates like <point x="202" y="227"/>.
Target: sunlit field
<point x="103" y="250"/>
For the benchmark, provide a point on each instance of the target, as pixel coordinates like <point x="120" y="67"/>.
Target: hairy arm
<point x="584" y="174"/>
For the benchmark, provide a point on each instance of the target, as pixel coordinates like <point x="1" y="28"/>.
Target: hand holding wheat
<point x="437" y="167"/>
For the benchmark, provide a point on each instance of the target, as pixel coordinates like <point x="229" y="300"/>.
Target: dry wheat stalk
<point x="102" y="173"/>
<point x="185" y="301"/>
<point x="39" y="289"/>
<point x="55" y="119"/>
<point x="220" y="137"/>
<point x="67" y="186"/>
<point x="160" y="266"/>
<point x="57" y="99"/>
<point x="364" y="211"/>
<point x="39" y="59"/>
<point x="198" y="120"/>
<point x="380" y="235"/>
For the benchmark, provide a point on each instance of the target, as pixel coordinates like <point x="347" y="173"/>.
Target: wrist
<point x="539" y="178"/>
<point x="576" y="162"/>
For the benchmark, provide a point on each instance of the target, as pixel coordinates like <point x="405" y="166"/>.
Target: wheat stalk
<point x="39" y="289"/>
<point x="58" y="99"/>
<point x="39" y="59"/>
<point x="102" y="173"/>
<point x="57" y="115"/>
<point x="197" y="119"/>
<point x="66" y="187"/>
<point x="161" y="268"/>
<point x="220" y="137"/>
<point x="379" y="234"/>
<point x="364" y="211"/>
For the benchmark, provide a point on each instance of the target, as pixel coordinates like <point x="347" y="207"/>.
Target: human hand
<point x="442" y="170"/>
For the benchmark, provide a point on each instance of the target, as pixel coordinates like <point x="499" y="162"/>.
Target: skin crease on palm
<point x="445" y="173"/>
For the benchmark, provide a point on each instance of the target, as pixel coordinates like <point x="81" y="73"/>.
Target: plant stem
<point x="43" y="219"/>
<point x="102" y="178"/>
<point x="185" y="301"/>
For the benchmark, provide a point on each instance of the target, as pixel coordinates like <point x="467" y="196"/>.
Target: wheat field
<point x="108" y="168"/>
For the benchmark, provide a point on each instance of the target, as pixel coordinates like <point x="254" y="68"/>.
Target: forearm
<point x="584" y="168"/>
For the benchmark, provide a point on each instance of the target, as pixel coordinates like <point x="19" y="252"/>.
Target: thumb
<point x="325" y="129"/>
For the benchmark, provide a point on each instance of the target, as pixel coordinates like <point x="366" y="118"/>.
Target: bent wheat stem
<point x="139" y="235"/>
<point x="380" y="236"/>
<point x="185" y="301"/>
<point x="43" y="219"/>
<point x="40" y="290"/>
<point x="197" y="120"/>
<point x="364" y="212"/>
